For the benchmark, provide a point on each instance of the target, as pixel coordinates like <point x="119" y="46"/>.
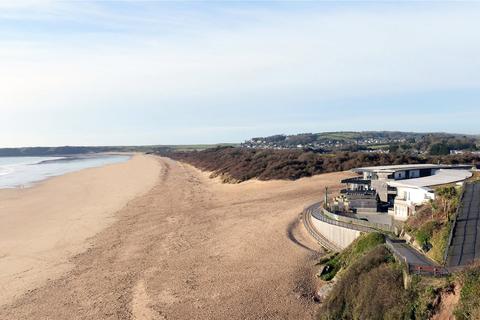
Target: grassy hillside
<point x="360" y="246"/>
<point x="433" y="221"/>
<point x="468" y="306"/>
<point x="370" y="285"/>
<point x="371" y="288"/>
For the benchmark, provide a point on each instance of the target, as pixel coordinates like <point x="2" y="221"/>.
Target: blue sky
<point x="118" y="73"/>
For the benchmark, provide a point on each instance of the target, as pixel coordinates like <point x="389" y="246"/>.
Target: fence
<point x="371" y="226"/>
<point x="318" y="213"/>
<point x="435" y="271"/>
<point x="324" y="242"/>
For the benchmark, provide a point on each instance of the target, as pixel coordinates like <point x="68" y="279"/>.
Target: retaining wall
<point x="340" y="236"/>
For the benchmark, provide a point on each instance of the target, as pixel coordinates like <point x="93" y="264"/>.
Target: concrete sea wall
<point x="340" y="236"/>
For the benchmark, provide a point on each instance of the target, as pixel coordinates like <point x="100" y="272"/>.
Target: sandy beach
<point x="43" y="226"/>
<point x="157" y="239"/>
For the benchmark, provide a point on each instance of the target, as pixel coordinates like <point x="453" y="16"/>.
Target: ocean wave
<point x="4" y="170"/>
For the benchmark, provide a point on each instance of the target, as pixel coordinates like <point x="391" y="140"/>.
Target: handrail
<point x="317" y="214"/>
<point x="324" y="242"/>
<point x="367" y="224"/>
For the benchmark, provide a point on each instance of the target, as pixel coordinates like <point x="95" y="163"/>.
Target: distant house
<point x="399" y="188"/>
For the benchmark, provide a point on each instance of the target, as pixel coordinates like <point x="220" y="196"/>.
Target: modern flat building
<point x="398" y="187"/>
<point x="413" y="192"/>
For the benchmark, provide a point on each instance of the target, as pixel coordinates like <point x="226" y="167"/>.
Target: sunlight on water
<point x="25" y="171"/>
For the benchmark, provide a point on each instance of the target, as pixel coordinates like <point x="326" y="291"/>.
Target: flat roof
<point x="443" y="176"/>
<point x="401" y="167"/>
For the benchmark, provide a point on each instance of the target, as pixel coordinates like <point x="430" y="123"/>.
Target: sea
<point x="23" y="172"/>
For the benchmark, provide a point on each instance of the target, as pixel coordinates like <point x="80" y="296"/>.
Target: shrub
<point x="362" y="245"/>
<point x="439" y="241"/>
<point x="469" y="304"/>
<point x="371" y="288"/>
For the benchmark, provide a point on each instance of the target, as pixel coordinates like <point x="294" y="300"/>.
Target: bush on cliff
<point x="469" y="304"/>
<point x="360" y="246"/>
<point x="371" y="288"/>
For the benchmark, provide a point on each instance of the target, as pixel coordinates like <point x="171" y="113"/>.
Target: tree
<point x="447" y="197"/>
<point x="439" y="149"/>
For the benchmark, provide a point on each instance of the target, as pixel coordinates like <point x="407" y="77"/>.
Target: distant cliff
<point x="75" y="150"/>
<point x="54" y="151"/>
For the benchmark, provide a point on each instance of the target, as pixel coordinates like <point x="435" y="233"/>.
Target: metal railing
<point x="435" y="271"/>
<point x="372" y="226"/>
<point x="324" y="242"/>
<point x="364" y="193"/>
<point x="356" y="180"/>
<point x="317" y="212"/>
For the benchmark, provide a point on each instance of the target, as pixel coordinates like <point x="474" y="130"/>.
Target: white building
<point x="414" y="192"/>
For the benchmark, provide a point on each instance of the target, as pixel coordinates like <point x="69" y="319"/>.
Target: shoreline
<point x="63" y="171"/>
<point x="44" y="225"/>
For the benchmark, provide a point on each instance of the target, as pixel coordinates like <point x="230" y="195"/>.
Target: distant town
<point x="371" y="141"/>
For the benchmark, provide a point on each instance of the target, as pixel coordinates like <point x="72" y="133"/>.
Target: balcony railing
<point x="366" y="193"/>
<point x="356" y="180"/>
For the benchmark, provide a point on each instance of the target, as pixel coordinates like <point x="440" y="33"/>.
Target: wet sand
<point x="189" y="248"/>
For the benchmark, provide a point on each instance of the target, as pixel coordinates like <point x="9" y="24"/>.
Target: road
<point x="465" y="245"/>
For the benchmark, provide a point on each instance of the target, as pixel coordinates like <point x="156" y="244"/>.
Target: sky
<point x="139" y="73"/>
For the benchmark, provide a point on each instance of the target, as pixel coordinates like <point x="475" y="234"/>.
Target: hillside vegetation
<point x="433" y="221"/>
<point x="370" y="285"/>
<point x="468" y="306"/>
<point x="234" y="164"/>
<point x="334" y="264"/>
<point x="371" y="288"/>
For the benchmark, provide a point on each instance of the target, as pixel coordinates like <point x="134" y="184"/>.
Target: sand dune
<point x="190" y="248"/>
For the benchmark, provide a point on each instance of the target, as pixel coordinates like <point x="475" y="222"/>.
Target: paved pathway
<point x="465" y="245"/>
<point x="417" y="262"/>
<point x="412" y="256"/>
